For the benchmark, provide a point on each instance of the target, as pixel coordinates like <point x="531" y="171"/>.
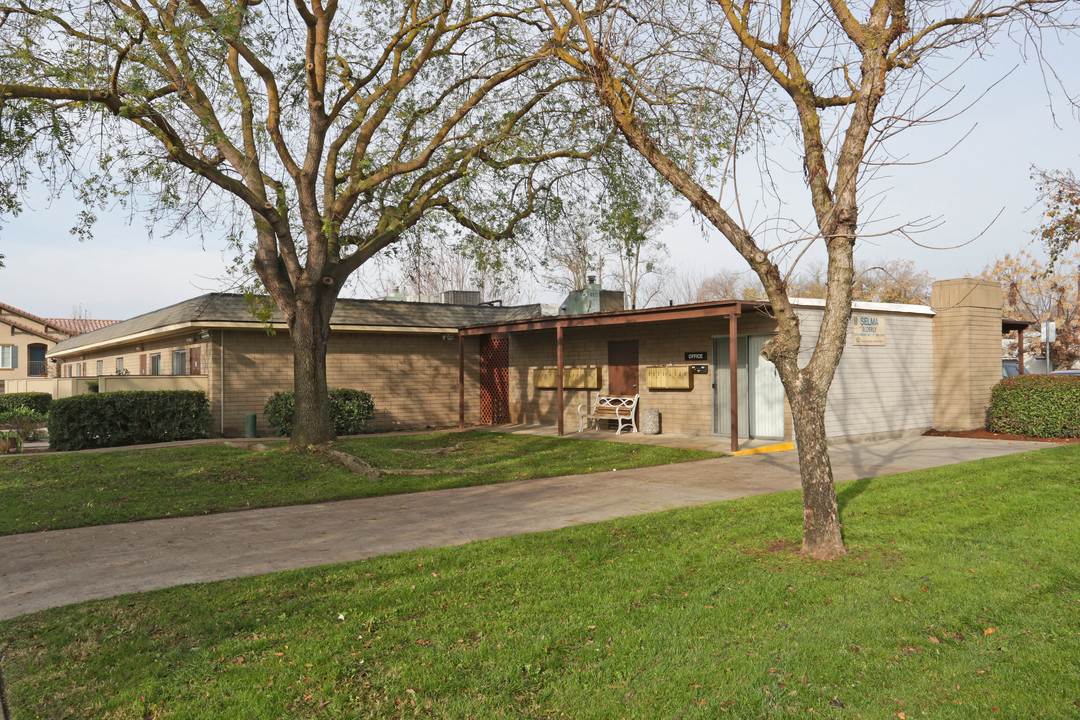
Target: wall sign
<point x="867" y="330"/>
<point x="696" y="356"/>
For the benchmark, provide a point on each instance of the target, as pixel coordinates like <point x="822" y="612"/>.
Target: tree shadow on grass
<point x="850" y="491"/>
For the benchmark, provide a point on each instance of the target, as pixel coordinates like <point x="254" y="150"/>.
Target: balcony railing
<point x="37" y="368"/>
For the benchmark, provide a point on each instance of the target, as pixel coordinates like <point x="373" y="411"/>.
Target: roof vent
<point x="461" y="297"/>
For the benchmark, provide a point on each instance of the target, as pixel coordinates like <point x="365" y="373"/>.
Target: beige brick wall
<point x="412" y="377"/>
<point x="130" y="355"/>
<point x="967" y="351"/>
<point x="659" y="343"/>
<point x="879" y="390"/>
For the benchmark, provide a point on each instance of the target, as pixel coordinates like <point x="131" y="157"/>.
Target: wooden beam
<point x="733" y="377"/>
<point x="626" y="317"/>
<point x="559" y="374"/>
<point x="461" y="379"/>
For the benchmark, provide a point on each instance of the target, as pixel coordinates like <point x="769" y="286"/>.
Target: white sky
<point x="121" y="273"/>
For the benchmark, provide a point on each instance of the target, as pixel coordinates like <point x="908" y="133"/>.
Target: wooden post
<point x="559" y="373"/>
<point x="733" y="368"/>
<point x="461" y="379"/>
<point x="1020" y="350"/>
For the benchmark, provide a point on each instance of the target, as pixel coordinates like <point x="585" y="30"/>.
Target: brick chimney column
<point x="967" y="350"/>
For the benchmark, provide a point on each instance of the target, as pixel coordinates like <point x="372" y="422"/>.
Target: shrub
<point x="36" y="401"/>
<point x="350" y="410"/>
<point x="128" y="418"/>
<point x="26" y="423"/>
<point x="1036" y="405"/>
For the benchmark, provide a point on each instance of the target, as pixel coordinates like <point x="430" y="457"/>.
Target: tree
<point x="632" y="208"/>
<point x="1039" y="291"/>
<point x="573" y="250"/>
<point x="427" y="263"/>
<point x="894" y="281"/>
<point x="694" y="286"/>
<point x="322" y="132"/>
<point x="839" y="72"/>
<point x="1060" y="194"/>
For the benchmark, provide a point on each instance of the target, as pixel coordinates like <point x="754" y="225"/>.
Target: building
<point x="25" y="340"/>
<point x="403" y="353"/>
<point x="906" y="368"/>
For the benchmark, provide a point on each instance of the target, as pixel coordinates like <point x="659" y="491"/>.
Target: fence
<point x="66" y="387"/>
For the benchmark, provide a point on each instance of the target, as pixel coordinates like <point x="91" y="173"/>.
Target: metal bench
<point x="620" y="408"/>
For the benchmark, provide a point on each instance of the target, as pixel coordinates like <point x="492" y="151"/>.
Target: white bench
<point x="620" y="408"/>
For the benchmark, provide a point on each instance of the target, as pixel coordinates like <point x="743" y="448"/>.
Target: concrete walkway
<point x="49" y="569"/>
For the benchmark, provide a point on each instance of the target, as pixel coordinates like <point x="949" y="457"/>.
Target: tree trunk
<point x="309" y="329"/>
<point x="822" y="539"/>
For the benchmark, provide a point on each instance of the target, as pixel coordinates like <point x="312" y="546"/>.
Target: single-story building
<point x="906" y="368"/>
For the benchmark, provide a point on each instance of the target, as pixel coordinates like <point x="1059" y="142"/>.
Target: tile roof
<point x="78" y="326"/>
<point x="233" y="308"/>
<point x="28" y="328"/>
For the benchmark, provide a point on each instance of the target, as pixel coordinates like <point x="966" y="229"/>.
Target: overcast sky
<point x="121" y="273"/>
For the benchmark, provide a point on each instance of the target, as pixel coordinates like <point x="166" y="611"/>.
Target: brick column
<point x="967" y="350"/>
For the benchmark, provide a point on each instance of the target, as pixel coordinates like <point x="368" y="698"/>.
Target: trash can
<point x="250" y="430"/>
<point x="650" y="422"/>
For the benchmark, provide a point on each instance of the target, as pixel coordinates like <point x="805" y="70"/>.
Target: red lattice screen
<point x="495" y="380"/>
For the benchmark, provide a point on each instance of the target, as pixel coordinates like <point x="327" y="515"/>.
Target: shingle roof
<point x="78" y="326"/>
<point x="232" y="308"/>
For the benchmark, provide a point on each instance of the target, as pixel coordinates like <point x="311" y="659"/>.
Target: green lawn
<point x="960" y="599"/>
<point x="50" y="492"/>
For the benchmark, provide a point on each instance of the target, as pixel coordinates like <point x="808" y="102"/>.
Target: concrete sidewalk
<point x="48" y="569"/>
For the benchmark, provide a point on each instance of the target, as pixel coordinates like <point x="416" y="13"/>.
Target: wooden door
<point x="623" y="367"/>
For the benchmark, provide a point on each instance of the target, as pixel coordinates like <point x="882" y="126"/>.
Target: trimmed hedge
<point x="1036" y="405"/>
<point x="128" y="418"/>
<point x="36" y="401"/>
<point x="350" y="410"/>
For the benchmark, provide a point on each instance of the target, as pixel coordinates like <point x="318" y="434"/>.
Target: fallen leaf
<point x="987" y="631"/>
<point x="935" y="640"/>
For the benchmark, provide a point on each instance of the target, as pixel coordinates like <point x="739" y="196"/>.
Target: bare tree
<point x="632" y="208"/>
<point x="320" y="131"/>
<point x="1039" y="291"/>
<point x="892" y="281"/>
<point x="1059" y="193"/>
<point x="694" y="286"/>
<point x="843" y="75"/>
<point x="574" y="250"/>
<point x="430" y="264"/>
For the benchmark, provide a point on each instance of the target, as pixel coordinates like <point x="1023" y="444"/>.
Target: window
<point x="100" y="367"/>
<point x="179" y="362"/>
<point x="155" y="364"/>
<point x="119" y="366"/>
<point x="8" y="354"/>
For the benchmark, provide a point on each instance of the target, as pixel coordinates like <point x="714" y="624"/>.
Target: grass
<point x="960" y="599"/>
<point x="51" y="492"/>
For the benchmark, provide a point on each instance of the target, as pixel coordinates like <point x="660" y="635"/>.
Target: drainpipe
<point x="221" y="401"/>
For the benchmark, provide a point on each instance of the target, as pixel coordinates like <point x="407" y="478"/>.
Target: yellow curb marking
<point x="768" y="448"/>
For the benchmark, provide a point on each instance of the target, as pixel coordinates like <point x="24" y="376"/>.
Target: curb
<point x="780" y="447"/>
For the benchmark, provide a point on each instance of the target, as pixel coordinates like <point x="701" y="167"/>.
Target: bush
<point x="36" y="401"/>
<point x="350" y="410"/>
<point x="1036" y="405"/>
<point x="128" y="418"/>
<point x="26" y="423"/>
